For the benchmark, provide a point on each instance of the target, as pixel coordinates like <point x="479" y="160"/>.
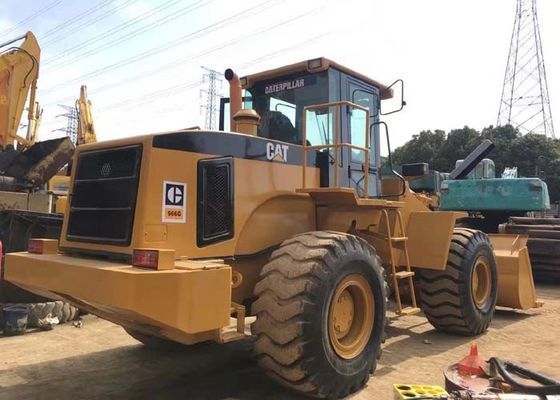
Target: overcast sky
<point x="141" y="59"/>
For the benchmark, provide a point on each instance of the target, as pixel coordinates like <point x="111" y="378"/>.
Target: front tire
<point x="462" y="299"/>
<point x="321" y="303"/>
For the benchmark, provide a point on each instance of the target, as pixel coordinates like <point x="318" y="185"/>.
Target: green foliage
<point x="533" y="155"/>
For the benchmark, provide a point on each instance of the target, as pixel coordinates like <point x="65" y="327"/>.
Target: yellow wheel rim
<point x="351" y="316"/>
<point x="481" y="282"/>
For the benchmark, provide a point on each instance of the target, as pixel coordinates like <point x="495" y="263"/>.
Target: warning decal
<point x="174" y="204"/>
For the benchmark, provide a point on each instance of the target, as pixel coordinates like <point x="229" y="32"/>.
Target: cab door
<point x="354" y="125"/>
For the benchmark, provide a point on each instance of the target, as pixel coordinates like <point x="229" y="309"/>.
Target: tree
<point x="424" y="147"/>
<point x="458" y="144"/>
<point x="502" y="137"/>
<point x="532" y="154"/>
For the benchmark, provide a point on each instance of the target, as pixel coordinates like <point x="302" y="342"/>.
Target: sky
<point x="141" y="59"/>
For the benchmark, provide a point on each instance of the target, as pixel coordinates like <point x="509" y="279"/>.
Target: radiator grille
<point x="215" y="200"/>
<point x="104" y="196"/>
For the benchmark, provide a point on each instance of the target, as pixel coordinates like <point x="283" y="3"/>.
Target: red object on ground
<point x="471" y="364"/>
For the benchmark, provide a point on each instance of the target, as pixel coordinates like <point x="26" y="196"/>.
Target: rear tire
<point x="462" y="299"/>
<point x="314" y="331"/>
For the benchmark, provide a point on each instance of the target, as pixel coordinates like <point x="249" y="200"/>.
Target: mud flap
<point x="516" y="288"/>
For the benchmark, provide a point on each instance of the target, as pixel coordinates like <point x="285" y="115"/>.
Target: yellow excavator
<point x="283" y="216"/>
<point x="28" y="165"/>
<point x="19" y="70"/>
<point x="25" y="164"/>
<point x="60" y="183"/>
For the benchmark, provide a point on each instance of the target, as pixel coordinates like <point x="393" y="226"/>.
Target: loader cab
<point x="280" y="97"/>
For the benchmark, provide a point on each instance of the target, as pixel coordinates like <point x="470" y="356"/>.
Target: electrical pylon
<point x="525" y="102"/>
<point x="214" y="79"/>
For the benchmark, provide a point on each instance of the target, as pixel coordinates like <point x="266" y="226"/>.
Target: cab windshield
<point x="280" y="104"/>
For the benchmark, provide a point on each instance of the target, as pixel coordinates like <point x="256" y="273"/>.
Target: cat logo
<point x="174" y="202"/>
<point x="277" y="152"/>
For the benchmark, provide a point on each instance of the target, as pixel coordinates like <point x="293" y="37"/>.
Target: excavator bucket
<point x="516" y="288"/>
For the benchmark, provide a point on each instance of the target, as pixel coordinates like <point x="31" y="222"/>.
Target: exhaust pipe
<point x="234" y="96"/>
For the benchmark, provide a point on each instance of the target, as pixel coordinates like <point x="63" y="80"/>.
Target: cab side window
<point x="358" y="123"/>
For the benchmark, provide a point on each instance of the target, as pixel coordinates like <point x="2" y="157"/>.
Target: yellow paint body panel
<point x="264" y="197"/>
<point x="428" y="233"/>
<point x="60" y="205"/>
<point x="516" y="287"/>
<point x="182" y="302"/>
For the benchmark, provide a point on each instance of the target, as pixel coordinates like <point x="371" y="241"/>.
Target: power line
<point x="254" y="10"/>
<point x="164" y="93"/>
<point x="152" y="72"/>
<point x="191" y="36"/>
<point x="59" y="60"/>
<point x="187" y="87"/>
<point x="31" y="17"/>
<point x="108" y="13"/>
<point x="191" y="58"/>
<point x="150" y="97"/>
<point x="75" y="19"/>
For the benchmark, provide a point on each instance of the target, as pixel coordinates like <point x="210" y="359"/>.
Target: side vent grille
<point x="215" y="200"/>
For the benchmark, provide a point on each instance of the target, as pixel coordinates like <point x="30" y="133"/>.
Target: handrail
<point x="337" y="136"/>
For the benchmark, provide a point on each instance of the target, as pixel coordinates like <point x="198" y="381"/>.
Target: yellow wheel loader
<point x="282" y="216"/>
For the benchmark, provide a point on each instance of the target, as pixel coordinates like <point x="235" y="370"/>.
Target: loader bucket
<point x="516" y="287"/>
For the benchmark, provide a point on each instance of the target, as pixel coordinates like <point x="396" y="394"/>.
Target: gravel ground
<point x="99" y="360"/>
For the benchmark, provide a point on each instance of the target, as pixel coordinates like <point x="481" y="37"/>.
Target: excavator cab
<point x="281" y="100"/>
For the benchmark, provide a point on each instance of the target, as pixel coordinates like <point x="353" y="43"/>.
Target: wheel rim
<point x="351" y="316"/>
<point x="481" y="283"/>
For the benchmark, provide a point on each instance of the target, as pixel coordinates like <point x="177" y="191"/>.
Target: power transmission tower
<point x="214" y="80"/>
<point x="71" y="129"/>
<point x="525" y="103"/>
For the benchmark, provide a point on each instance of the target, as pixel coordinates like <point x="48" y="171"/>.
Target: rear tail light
<point x="43" y="246"/>
<point x="153" y="258"/>
<point x="145" y="258"/>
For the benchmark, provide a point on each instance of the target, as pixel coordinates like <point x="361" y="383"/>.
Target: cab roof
<point x="313" y="66"/>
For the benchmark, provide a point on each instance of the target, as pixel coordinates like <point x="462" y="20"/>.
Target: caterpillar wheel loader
<point x="282" y="215"/>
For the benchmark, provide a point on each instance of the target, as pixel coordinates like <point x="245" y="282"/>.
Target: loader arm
<point x="19" y="70"/>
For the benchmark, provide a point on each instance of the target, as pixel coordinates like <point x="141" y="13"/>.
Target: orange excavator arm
<point x="19" y="70"/>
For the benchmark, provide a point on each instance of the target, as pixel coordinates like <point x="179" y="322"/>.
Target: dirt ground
<point x="99" y="360"/>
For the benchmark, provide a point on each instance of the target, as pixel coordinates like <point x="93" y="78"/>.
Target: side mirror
<point x="396" y="103"/>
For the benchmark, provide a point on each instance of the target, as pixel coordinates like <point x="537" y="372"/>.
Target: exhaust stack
<point x="234" y="96"/>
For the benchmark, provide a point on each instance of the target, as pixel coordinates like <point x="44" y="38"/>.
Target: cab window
<point x="280" y="103"/>
<point x="358" y="123"/>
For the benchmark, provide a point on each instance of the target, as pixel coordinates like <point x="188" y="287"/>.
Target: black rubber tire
<point x="59" y="309"/>
<point x="294" y="293"/>
<point x="446" y="296"/>
<point x="154" y="342"/>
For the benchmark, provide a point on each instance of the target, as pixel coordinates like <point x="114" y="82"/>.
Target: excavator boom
<point x="86" y="131"/>
<point x="19" y="70"/>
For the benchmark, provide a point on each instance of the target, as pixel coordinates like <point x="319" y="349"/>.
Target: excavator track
<point x="543" y="244"/>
